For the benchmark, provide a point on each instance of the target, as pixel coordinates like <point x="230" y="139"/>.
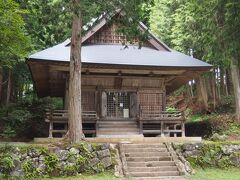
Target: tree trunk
<point x="222" y="84"/>
<point x="9" y="89"/>
<point x="75" y="114"/>
<point x="229" y="82"/>
<point x="214" y="90"/>
<point x="1" y="83"/>
<point x="226" y="83"/>
<point x="202" y="92"/>
<point x="236" y="88"/>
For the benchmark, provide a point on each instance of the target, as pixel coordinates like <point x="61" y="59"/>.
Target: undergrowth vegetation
<point x="25" y="120"/>
<point x="207" y="125"/>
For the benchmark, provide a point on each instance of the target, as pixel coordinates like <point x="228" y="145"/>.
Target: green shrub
<point x="9" y="132"/>
<point x="171" y="109"/>
<point x="6" y="163"/>
<point x="51" y="162"/>
<point x="29" y="169"/>
<point x="211" y="155"/>
<point x="69" y="170"/>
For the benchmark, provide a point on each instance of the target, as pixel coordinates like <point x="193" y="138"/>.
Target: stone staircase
<point x="150" y="161"/>
<point x="117" y="128"/>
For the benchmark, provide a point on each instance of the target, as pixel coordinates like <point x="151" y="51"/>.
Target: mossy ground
<point x="216" y="174"/>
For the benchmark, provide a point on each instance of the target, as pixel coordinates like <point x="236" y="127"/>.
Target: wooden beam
<point x="123" y="71"/>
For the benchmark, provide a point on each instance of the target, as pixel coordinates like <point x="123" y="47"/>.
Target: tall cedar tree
<point x="133" y="12"/>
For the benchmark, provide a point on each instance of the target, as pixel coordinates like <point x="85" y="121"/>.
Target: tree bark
<point x="236" y="88"/>
<point x="226" y="83"/>
<point x="75" y="115"/>
<point x="214" y="90"/>
<point x="202" y="92"/>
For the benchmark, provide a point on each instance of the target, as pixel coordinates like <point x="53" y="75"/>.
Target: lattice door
<point x="118" y="104"/>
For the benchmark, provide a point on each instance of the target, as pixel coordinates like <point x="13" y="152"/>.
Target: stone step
<point x="151" y="164"/>
<point x="152" y="169"/>
<point x="117" y="137"/>
<point x="117" y="133"/>
<point x="154" y="174"/>
<point x="118" y="126"/>
<point x="161" y="178"/>
<point x="159" y="145"/>
<point x="146" y="159"/>
<point x="135" y="150"/>
<point x="147" y="154"/>
<point x="118" y="122"/>
<point x="118" y="129"/>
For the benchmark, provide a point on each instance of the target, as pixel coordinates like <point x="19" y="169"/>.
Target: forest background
<point x="208" y="30"/>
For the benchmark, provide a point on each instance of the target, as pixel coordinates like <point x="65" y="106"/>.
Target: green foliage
<point x="15" y="119"/>
<point x="51" y="162"/>
<point x="6" y="163"/>
<point x="41" y="22"/>
<point x="171" y="109"/>
<point x="211" y="155"/>
<point x="100" y="168"/>
<point x="52" y="165"/>
<point x="206" y="125"/>
<point x="21" y="119"/>
<point x="29" y="169"/>
<point x="69" y="170"/>
<point x="207" y="27"/>
<point x="8" y="132"/>
<point x="14" y="41"/>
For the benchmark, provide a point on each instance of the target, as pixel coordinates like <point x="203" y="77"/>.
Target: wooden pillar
<point x="51" y="124"/>
<point x="141" y="126"/>
<point x="66" y="97"/>
<point x="104" y="104"/>
<point x="162" y="129"/>
<point x="175" y="128"/>
<point x="164" y="100"/>
<point x="183" y="129"/>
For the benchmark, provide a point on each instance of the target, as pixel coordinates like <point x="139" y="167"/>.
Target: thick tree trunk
<point x="75" y="114"/>
<point x="1" y="83"/>
<point x="236" y="88"/>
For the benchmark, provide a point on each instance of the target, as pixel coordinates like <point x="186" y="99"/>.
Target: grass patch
<point x="216" y="174"/>
<point x="101" y="176"/>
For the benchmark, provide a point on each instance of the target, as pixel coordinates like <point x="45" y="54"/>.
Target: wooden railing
<point x="61" y="117"/>
<point x="168" y="121"/>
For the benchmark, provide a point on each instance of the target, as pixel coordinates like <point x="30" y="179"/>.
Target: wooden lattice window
<point x="118" y="104"/>
<point x="88" y="101"/>
<point x="110" y="35"/>
<point x="151" y="101"/>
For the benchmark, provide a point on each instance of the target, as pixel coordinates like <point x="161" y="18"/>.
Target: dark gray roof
<point x="117" y="55"/>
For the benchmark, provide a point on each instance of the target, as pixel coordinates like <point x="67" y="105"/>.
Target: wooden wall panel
<point x="88" y="101"/>
<point x="113" y="82"/>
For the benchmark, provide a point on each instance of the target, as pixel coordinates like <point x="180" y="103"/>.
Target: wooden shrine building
<point x="123" y="89"/>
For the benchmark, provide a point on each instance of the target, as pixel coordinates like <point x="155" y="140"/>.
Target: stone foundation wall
<point x="35" y="161"/>
<point x="213" y="154"/>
